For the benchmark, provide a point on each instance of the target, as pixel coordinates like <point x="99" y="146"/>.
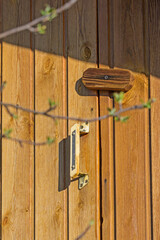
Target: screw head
<point x="105" y="77"/>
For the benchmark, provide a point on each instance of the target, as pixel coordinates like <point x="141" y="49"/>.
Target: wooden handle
<point x="108" y="79"/>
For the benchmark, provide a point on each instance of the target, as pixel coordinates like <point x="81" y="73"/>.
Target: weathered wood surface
<point x="17" y="162"/>
<point x="108" y="79"/>
<point x="132" y="139"/>
<point x="1" y="119"/>
<point x="50" y="206"/>
<point x="154" y="17"/>
<point x="116" y="156"/>
<point x="106" y="128"/>
<point x="107" y="169"/>
<point x="84" y="204"/>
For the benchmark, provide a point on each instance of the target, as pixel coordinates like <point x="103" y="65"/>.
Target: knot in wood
<point x="86" y="53"/>
<point x="48" y="65"/>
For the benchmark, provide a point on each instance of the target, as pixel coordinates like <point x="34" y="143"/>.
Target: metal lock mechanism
<point x="76" y="131"/>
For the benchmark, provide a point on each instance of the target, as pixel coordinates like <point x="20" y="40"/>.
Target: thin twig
<point x="21" y="141"/>
<point x="120" y="106"/>
<point x="2" y="86"/>
<point x="29" y="26"/>
<point x="66" y="6"/>
<point x="83" y="233"/>
<point x="9" y="112"/>
<point x="50" y="109"/>
<point x="45" y="113"/>
<point x="32" y="29"/>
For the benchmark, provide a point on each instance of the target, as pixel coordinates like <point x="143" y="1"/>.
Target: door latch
<point x="76" y="131"/>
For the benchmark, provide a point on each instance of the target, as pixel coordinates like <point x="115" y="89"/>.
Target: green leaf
<point x="91" y="222"/>
<point x="48" y="8"/>
<point x="116" y="118"/>
<point x="124" y="119"/>
<point x="56" y="122"/>
<point x="51" y="103"/>
<point x="50" y="140"/>
<point x="118" y="97"/>
<point x="53" y="14"/>
<point x="15" y="116"/>
<point x="7" y="132"/>
<point x="43" y="13"/>
<point x="111" y="111"/>
<point x="147" y="104"/>
<point x="4" y="83"/>
<point x="50" y="12"/>
<point x="41" y="28"/>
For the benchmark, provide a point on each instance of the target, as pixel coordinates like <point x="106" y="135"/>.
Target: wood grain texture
<point x="154" y="18"/>
<point x="107" y="168"/>
<point x="1" y="121"/>
<point x="50" y="83"/>
<point x="82" y="45"/>
<point x="108" y="79"/>
<point x="128" y="35"/>
<point x="106" y="127"/>
<point x="132" y="139"/>
<point x="17" y="162"/>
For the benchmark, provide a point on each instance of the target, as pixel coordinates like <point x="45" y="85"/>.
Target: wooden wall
<point x="122" y="160"/>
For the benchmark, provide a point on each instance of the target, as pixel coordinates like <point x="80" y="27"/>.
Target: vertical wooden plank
<point x="107" y="169"/>
<point x="49" y="83"/>
<point x="106" y="126"/>
<point x="103" y="33"/>
<point x="82" y="54"/>
<point x="17" y="162"/>
<point x="154" y="18"/>
<point x="132" y="138"/>
<point x="1" y="121"/>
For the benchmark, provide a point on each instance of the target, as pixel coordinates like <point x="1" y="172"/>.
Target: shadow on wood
<point x="64" y="164"/>
<point x="82" y="90"/>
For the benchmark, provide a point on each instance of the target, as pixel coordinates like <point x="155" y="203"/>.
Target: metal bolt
<point x="106" y="77"/>
<point x="73" y="167"/>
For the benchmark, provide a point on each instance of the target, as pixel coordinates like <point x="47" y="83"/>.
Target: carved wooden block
<point x="108" y="79"/>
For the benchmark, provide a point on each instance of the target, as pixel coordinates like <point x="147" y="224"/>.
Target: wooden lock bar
<point x="108" y="79"/>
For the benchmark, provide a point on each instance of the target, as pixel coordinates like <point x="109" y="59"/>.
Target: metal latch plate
<point x="83" y="180"/>
<point x="76" y="131"/>
<point x="75" y="150"/>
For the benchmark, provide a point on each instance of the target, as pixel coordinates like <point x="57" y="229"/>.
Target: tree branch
<point x="30" y="26"/>
<point x="46" y="113"/>
<point x="52" y="106"/>
<point x="54" y="117"/>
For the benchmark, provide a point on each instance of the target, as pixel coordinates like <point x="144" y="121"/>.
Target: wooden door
<point x="130" y="180"/>
<point x="38" y="201"/>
